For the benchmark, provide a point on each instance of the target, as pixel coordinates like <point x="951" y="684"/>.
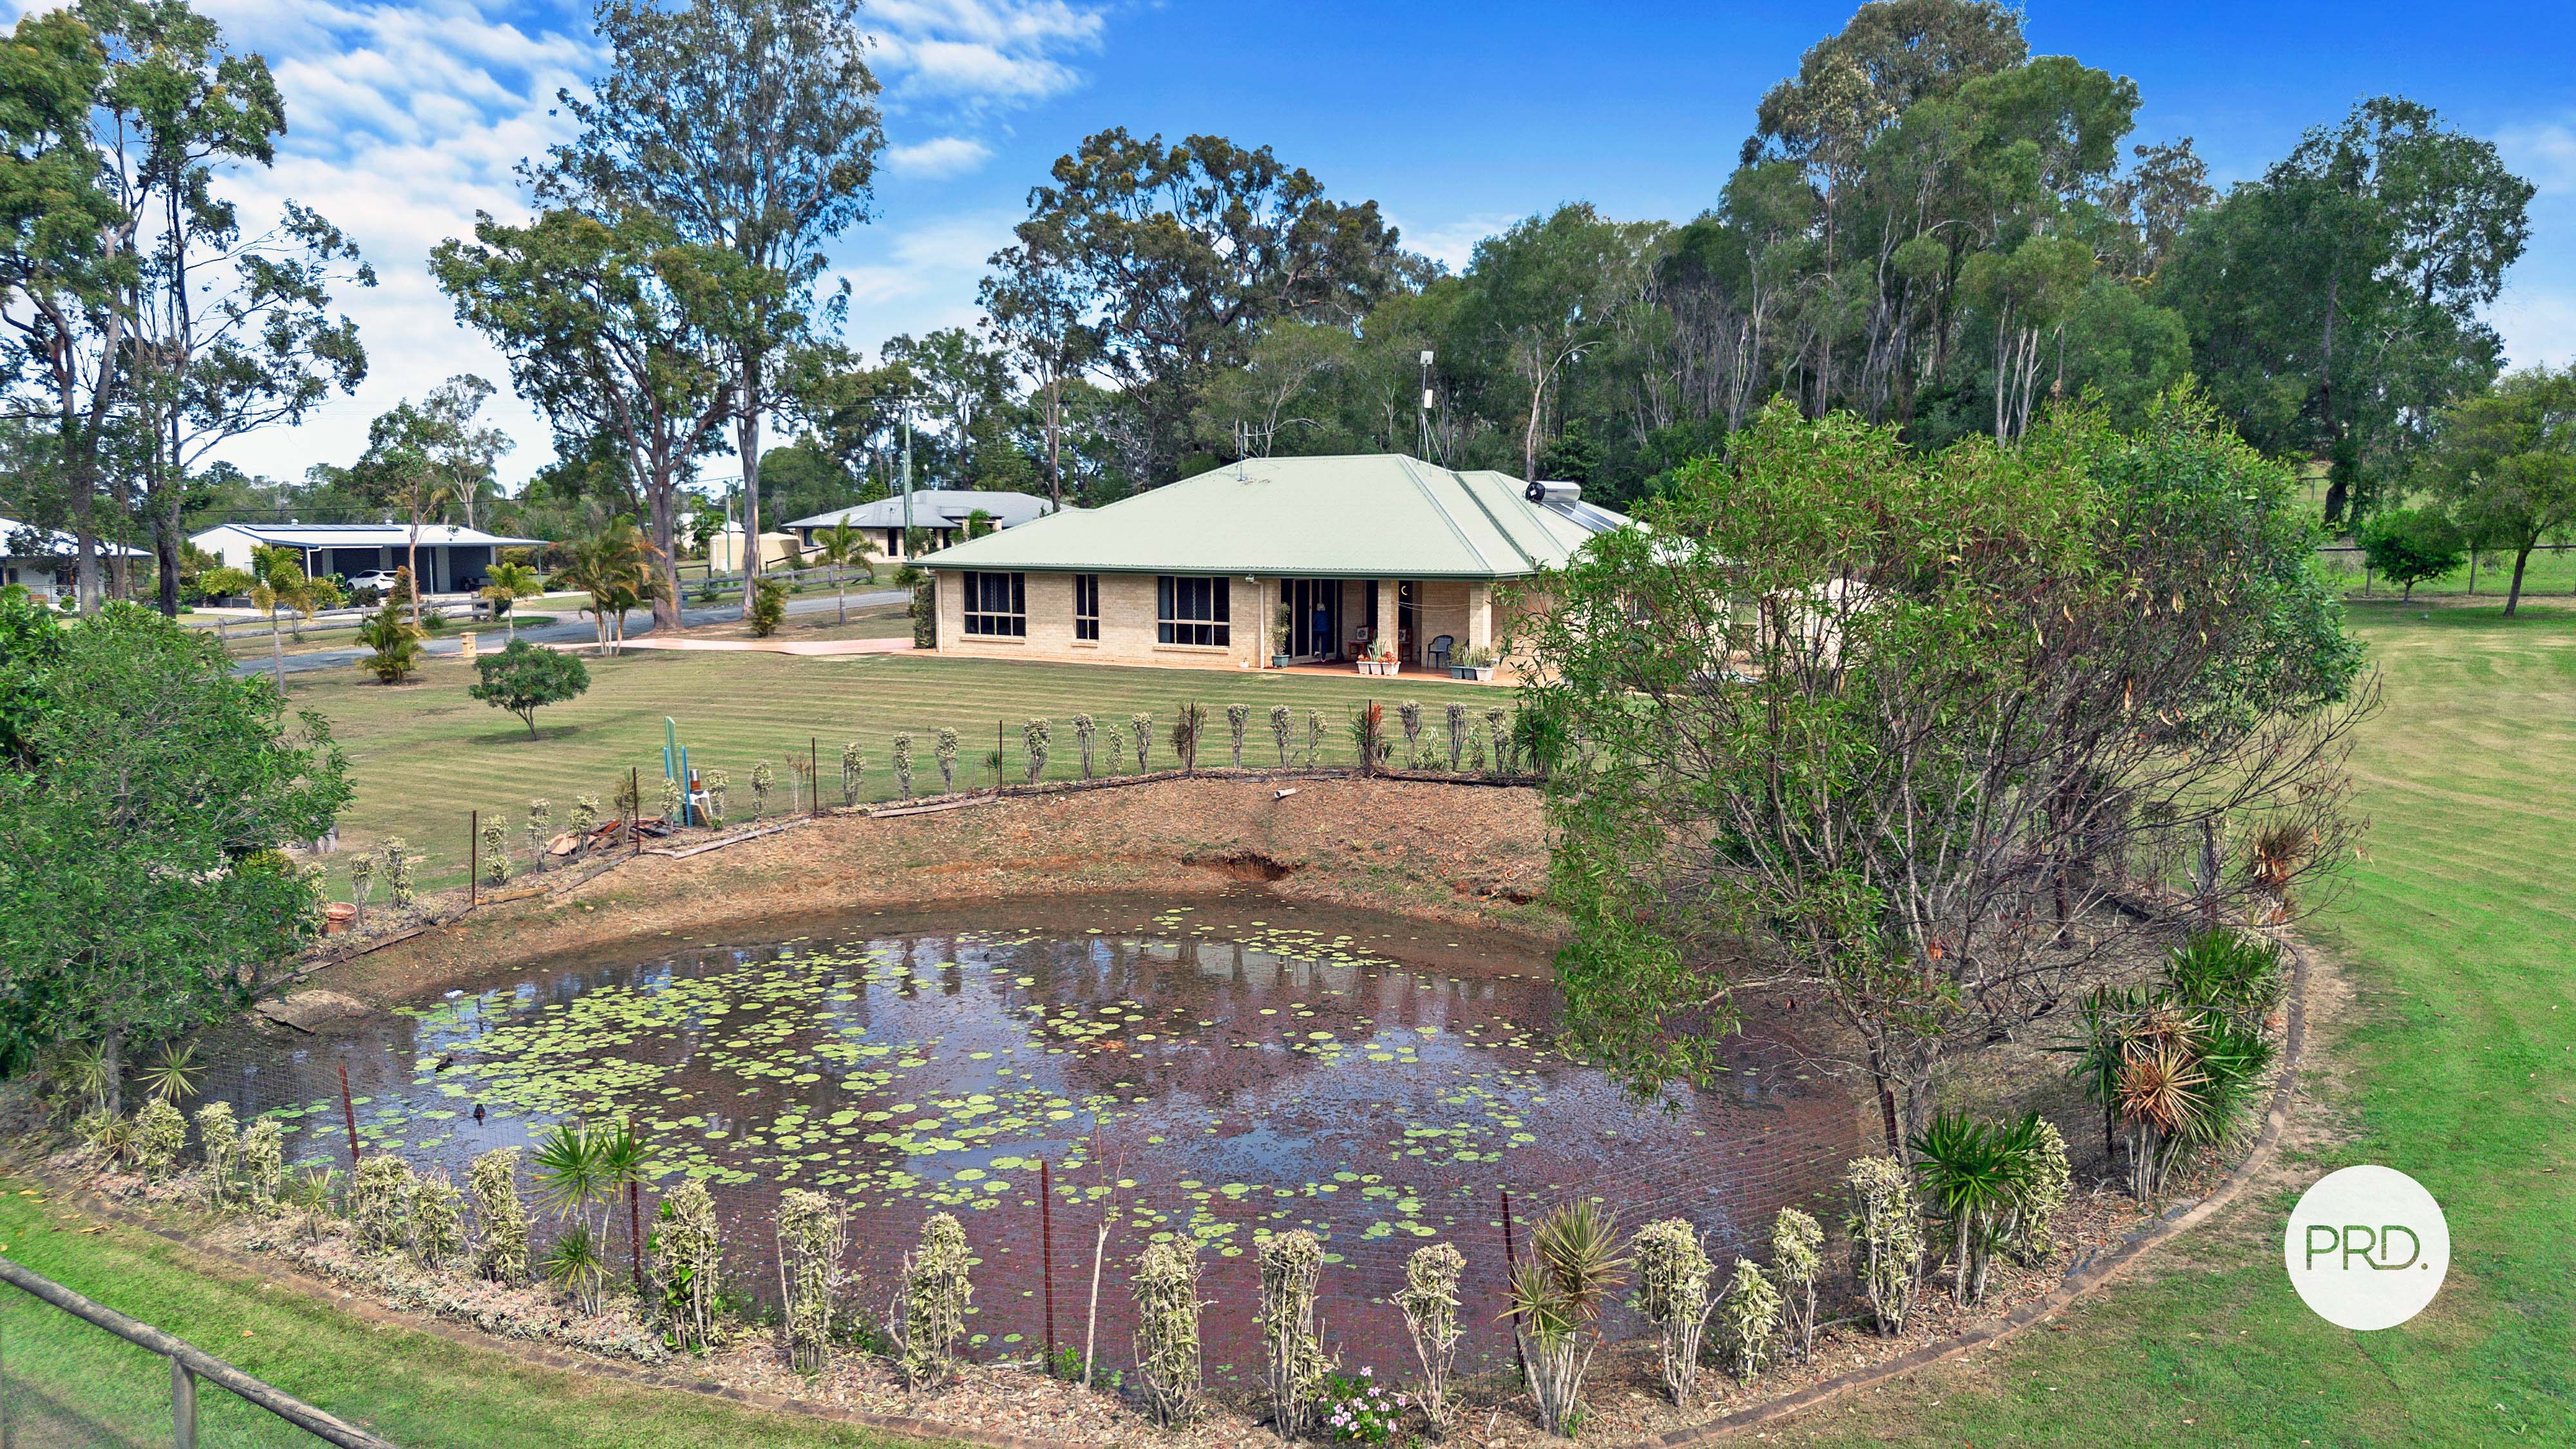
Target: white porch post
<point x="1382" y="630"/>
<point x="1480" y="616"/>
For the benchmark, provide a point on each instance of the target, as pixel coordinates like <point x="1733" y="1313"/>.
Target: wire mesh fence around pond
<point x="1223" y="1068"/>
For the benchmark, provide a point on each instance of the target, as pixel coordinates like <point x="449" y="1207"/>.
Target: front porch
<point x="1329" y="623"/>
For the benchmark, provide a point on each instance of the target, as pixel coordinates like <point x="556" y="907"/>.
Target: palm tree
<point x="395" y="641"/>
<point x="615" y="568"/>
<point x="840" y="546"/>
<point x="507" y="582"/>
<point x="279" y="582"/>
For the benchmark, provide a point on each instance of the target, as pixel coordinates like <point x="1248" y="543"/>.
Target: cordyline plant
<point x="1085" y="731"/>
<point x="813" y="1235"/>
<point x="932" y="1313"/>
<point x="220" y="1142"/>
<point x="1368" y="736"/>
<point x="1557" y="1293"/>
<point x="1980" y="1177"/>
<point x="1429" y="1299"/>
<point x="1674" y="1293"/>
<point x="1237" y="717"/>
<point x="1885" y="730"/>
<point x="1167" y="1328"/>
<point x="263" y="1162"/>
<point x="1797" y="1257"/>
<point x="1294" y="1366"/>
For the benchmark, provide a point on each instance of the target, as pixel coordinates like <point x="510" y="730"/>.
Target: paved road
<point x="569" y="629"/>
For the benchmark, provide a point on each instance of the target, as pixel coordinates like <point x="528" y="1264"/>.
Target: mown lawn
<point x="68" y="1383"/>
<point x="2458" y="932"/>
<point x="424" y="754"/>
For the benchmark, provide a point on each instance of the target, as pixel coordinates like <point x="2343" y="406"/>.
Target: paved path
<point x="808" y="647"/>
<point x="578" y="630"/>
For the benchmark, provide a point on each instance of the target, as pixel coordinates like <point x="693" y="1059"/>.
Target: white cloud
<point x="2537" y="313"/>
<point x="981" y="52"/>
<point x="937" y="158"/>
<point x="1452" y="243"/>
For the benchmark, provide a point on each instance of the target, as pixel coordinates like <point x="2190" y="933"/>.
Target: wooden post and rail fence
<point x="188" y="1365"/>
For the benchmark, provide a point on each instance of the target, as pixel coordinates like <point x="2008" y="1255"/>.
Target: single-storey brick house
<point x="940" y="513"/>
<point x="1336" y="553"/>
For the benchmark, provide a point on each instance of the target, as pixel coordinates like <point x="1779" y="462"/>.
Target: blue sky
<point x="1458" y="119"/>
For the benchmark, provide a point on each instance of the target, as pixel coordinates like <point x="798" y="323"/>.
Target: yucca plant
<point x="1973" y="1173"/>
<point x="577" y="1264"/>
<point x="1556" y="1295"/>
<point x="2229" y="972"/>
<point x="172" y="1076"/>
<point x="572" y="1174"/>
<point x="312" y="1192"/>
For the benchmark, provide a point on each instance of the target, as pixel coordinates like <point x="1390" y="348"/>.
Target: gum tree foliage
<point x="1883" y="729"/>
<point x="749" y="127"/>
<point x="147" y="789"/>
<point x="2336" y="305"/>
<point x="2506" y="465"/>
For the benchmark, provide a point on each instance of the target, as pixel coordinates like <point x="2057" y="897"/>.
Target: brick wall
<point x="1128" y="626"/>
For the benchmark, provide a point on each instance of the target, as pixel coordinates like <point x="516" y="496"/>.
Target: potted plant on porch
<point x="1387" y="661"/>
<point x="1279" y="638"/>
<point x="1472" y="663"/>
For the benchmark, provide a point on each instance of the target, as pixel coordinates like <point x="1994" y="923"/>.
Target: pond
<point x="1220" y="1066"/>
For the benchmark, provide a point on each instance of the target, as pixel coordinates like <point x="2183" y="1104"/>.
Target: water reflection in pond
<point x="1221" y="1068"/>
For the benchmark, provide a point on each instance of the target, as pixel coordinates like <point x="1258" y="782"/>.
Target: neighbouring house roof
<point x="363" y="535"/>
<point x="936" y="508"/>
<point x="53" y="543"/>
<point x="1378" y="515"/>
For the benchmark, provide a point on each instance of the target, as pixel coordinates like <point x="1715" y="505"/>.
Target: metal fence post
<point x="183" y="1406"/>
<point x="473" y="857"/>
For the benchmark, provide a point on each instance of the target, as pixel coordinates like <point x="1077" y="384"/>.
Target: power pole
<point x="1426" y="405"/>
<point x="907" y="482"/>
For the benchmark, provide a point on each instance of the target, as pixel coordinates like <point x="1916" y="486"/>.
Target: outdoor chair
<point x="1440" y="651"/>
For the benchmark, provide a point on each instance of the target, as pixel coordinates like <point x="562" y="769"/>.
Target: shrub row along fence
<point x="1453" y="742"/>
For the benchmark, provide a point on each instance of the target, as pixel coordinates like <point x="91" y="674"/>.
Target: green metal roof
<point x="1376" y="515"/>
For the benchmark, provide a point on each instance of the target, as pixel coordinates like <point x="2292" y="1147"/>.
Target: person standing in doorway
<point x="1323" y="632"/>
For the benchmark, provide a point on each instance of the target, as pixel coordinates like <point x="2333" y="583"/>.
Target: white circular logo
<point x="2367" y="1248"/>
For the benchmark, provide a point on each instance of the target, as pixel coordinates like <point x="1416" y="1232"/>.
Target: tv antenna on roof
<point x="1426" y="403"/>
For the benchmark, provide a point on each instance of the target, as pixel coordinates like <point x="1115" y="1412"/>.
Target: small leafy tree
<point x="398" y="864"/>
<point x="768" y="606"/>
<point x="2412" y="546"/>
<point x="1036" y="736"/>
<point x="437" y="1219"/>
<point x="1409" y="716"/>
<point x="903" y="765"/>
<point x="813" y="1234"/>
<point x="263" y="1162"/>
<point x="1236" y="717"/>
<point x="524" y="678"/>
<point x="380" y="1203"/>
<point x="1295" y="1365"/>
<point x="540" y="815"/>
<point x="1886" y="1230"/>
<point x="494" y="1179"/>
<point x="158" y="1136"/>
<point x="944" y="749"/>
<point x="1282" y="720"/>
<point x="1797" y="1257"/>
<point x="1454" y="723"/>
<point x="496" y="852"/>
<point x="688" y="1255"/>
<point x="1085" y="730"/>
<point x="1143" y="725"/>
<point x="219" y="1140"/>
<point x="1674" y="1293"/>
<point x="935" y="1297"/>
<point x="854" y="768"/>
<point x="1167" y="1328"/>
<point x="362" y="884"/>
<point x="1429" y="1300"/>
<point x="1748" y="1319"/>
<point x="1315" y="728"/>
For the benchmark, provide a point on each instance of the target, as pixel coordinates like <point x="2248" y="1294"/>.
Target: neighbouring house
<point x="777" y="550"/>
<point x="941" y="513"/>
<point x="1313" y="560"/>
<point x="453" y="559"/>
<point x="46" y="562"/>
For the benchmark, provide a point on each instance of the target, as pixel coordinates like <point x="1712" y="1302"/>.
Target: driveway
<point x="569" y="630"/>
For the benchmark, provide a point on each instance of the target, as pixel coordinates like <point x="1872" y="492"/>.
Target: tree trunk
<point x="747" y="442"/>
<point x="635" y="1228"/>
<point x="165" y="557"/>
<point x="2513" y="594"/>
<point x="663" y="508"/>
<point x="411" y="556"/>
<point x="277" y="653"/>
<point x="111" y="1066"/>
